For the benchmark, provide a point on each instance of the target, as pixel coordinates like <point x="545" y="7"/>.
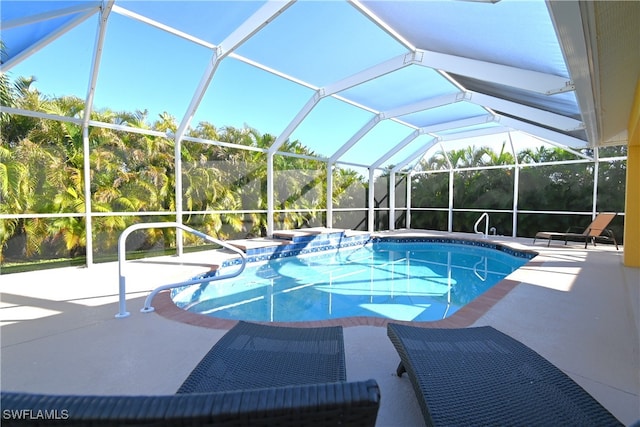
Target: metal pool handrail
<point x="122" y="255"/>
<point x="486" y="225"/>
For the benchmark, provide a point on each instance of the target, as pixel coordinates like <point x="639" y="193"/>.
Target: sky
<point x="143" y="67"/>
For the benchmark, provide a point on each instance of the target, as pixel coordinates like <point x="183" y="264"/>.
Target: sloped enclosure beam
<point x="88" y="107"/>
<point x="251" y="26"/>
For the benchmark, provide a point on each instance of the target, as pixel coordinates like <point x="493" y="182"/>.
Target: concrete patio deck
<point x="576" y="307"/>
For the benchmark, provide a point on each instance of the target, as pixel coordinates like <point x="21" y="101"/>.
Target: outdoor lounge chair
<point x="254" y="375"/>
<point x="480" y="376"/>
<point x="597" y="230"/>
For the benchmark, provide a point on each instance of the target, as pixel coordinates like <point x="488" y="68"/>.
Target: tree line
<point x="132" y="179"/>
<point x="42" y="164"/>
<point x="545" y="183"/>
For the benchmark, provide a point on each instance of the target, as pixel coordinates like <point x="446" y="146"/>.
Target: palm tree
<point x="438" y="161"/>
<point x="466" y="157"/>
<point x="14" y="185"/>
<point x="501" y="158"/>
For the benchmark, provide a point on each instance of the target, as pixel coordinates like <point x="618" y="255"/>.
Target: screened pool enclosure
<point x="241" y="118"/>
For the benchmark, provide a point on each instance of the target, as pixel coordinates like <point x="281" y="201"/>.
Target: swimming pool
<point x="399" y="280"/>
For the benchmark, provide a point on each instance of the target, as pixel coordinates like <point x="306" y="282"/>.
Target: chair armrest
<point x="346" y="403"/>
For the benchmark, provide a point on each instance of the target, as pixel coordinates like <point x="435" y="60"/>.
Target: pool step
<point x="248" y="245"/>
<point x="285" y="243"/>
<point x="313" y="233"/>
<point x="307" y="234"/>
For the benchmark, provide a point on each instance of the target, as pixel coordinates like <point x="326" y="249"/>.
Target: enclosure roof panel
<point x="343" y="75"/>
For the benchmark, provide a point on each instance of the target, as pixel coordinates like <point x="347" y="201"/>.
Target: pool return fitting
<point x="122" y="257"/>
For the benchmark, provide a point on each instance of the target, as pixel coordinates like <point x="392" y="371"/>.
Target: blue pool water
<point x="395" y="280"/>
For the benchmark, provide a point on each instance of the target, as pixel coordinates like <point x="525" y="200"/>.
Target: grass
<point x="45" y="264"/>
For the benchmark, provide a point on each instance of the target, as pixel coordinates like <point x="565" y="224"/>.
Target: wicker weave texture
<point x="480" y="376"/>
<point x="256" y="356"/>
<point x="341" y="403"/>
<point x="255" y="375"/>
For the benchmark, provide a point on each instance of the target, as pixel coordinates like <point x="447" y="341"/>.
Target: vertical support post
<point x="270" y="194"/>
<point x="372" y="201"/>
<point x="177" y="153"/>
<point x="88" y="106"/>
<point x="516" y="188"/>
<point x="516" y="191"/>
<point x="392" y="201"/>
<point x="88" y="219"/>
<point x="596" y="172"/>
<point x="329" y="220"/>
<point x="409" y="184"/>
<point x="450" y="221"/>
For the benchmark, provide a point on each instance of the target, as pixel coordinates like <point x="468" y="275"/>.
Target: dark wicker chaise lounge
<point x="480" y="376"/>
<point x="254" y="375"/>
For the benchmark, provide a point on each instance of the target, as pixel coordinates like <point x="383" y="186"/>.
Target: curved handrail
<point x="486" y="269"/>
<point x="122" y="257"/>
<point x="486" y="225"/>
